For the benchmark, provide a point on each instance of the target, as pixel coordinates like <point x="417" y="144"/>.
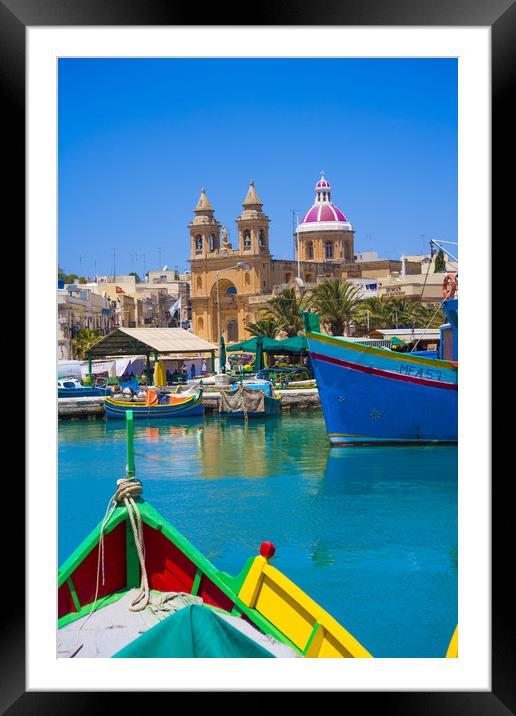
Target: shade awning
<point x="138" y="341"/>
<point x="297" y="344"/>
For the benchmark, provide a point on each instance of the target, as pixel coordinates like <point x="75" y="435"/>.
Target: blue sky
<point x="137" y="138"/>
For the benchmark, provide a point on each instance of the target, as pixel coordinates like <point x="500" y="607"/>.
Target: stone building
<point x="79" y="308"/>
<point x="240" y="280"/>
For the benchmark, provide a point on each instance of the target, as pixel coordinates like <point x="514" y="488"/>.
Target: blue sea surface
<point x="369" y="533"/>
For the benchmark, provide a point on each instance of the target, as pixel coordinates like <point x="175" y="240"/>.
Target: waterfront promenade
<point x="292" y="399"/>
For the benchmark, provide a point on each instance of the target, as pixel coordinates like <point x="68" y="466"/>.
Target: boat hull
<point x="260" y="594"/>
<point x="82" y="392"/>
<point x="190" y="408"/>
<point x="373" y="397"/>
<point x="272" y="406"/>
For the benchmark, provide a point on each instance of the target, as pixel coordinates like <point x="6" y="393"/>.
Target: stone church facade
<point x="242" y="278"/>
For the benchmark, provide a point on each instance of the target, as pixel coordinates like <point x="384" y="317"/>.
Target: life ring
<point x="449" y="286"/>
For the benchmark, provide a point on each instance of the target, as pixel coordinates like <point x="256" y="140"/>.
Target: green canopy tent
<point x="269" y="345"/>
<point x="297" y="344"/>
<point x="395" y="341"/>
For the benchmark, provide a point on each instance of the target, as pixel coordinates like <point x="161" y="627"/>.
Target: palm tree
<point x="336" y="302"/>
<point x="265" y="326"/>
<point x="371" y="314"/>
<point x="286" y="309"/>
<point x="428" y="316"/>
<point x="85" y="339"/>
<point x="400" y="313"/>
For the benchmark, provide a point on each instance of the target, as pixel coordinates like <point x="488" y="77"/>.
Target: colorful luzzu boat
<point x="135" y="562"/>
<point x="377" y="396"/>
<point x="179" y="405"/>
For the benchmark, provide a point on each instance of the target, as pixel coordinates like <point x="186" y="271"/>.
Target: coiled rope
<point x="127" y="489"/>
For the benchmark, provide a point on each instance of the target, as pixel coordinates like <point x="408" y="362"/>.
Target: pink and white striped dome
<point x="323" y="212"/>
<point x="323" y="215"/>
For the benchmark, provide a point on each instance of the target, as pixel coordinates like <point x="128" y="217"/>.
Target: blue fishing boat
<point x="72" y="388"/>
<point x="372" y="395"/>
<point x="158" y="404"/>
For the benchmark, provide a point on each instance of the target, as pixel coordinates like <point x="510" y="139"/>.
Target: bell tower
<point x="204" y="229"/>
<point x="253" y="226"/>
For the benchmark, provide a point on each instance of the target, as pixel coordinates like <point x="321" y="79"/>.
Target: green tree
<point x="83" y="279"/>
<point x="399" y="313"/>
<point x="133" y="273"/>
<point x="286" y="310"/>
<point x="84" y="342"/>
<point x="371" y="314"/>
<point x="427" y="316"/>
<point x="440" y="263"/>
<point x="70" y="277"/>
<point x="264" y="326"/>
<point x="336" y="302"/>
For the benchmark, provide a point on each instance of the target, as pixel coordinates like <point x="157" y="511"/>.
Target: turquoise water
<point x="369" y="533"/>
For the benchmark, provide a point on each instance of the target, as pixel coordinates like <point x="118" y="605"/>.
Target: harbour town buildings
<point x="241" y="279"/>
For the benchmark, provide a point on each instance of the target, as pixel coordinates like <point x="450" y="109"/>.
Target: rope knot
<point x="127" y="488"/>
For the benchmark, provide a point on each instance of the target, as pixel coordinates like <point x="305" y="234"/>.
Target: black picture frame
<point x="500" y="15"/>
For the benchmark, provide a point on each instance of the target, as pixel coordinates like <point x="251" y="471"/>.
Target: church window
<point x="309" y="250"/>
<point x="198" y="244"/>
<point x="231" y="291"/>
<point x="328" y="249"/>
<point x="262" y="239"/>
<point x="247" y="278"/>
<point x="212" y="242"/>
<point x="247" y="241"/>
<point x="232" y="331"/>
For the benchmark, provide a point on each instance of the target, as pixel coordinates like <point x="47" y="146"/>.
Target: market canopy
<point x="297" y="344"/>
<point x="143" y="341"/>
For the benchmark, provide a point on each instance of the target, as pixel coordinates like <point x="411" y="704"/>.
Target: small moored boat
<point x="250" y="399"/>
<point x="158" y="404"/>
<point x="72" y="388"/>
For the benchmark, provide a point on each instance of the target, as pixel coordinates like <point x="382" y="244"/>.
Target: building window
<point x="328" y="250"/>
<point x="198" y="244"/>
<point x="231" y="291"/>
<point x="212" y="242"/>
<point x="287" y="277"/>
<point x="247" y="278"/>
<point x="262" y="239"/>
<point x="309" y="250"/>
<point x="232" y="331"/>
<point x="247" y="241"/>
<point x="308" y="278"/>
<point x="199" y="282"/>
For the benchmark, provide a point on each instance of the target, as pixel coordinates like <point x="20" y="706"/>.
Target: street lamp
<point x="239" y="265"/>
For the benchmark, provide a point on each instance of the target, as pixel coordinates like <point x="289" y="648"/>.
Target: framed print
<point x="122" y="116"/>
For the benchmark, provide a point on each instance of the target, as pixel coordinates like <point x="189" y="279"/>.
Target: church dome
<point x="323" y="215"/>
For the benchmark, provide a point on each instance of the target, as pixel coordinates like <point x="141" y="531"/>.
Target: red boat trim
<point x="385" y="373"/>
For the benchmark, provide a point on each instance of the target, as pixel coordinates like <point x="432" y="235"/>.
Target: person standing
<point x="192" y="371"/>
<point x="204" y="367"/>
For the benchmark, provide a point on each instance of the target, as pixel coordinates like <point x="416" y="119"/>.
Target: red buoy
<point x="267" y="549"/>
